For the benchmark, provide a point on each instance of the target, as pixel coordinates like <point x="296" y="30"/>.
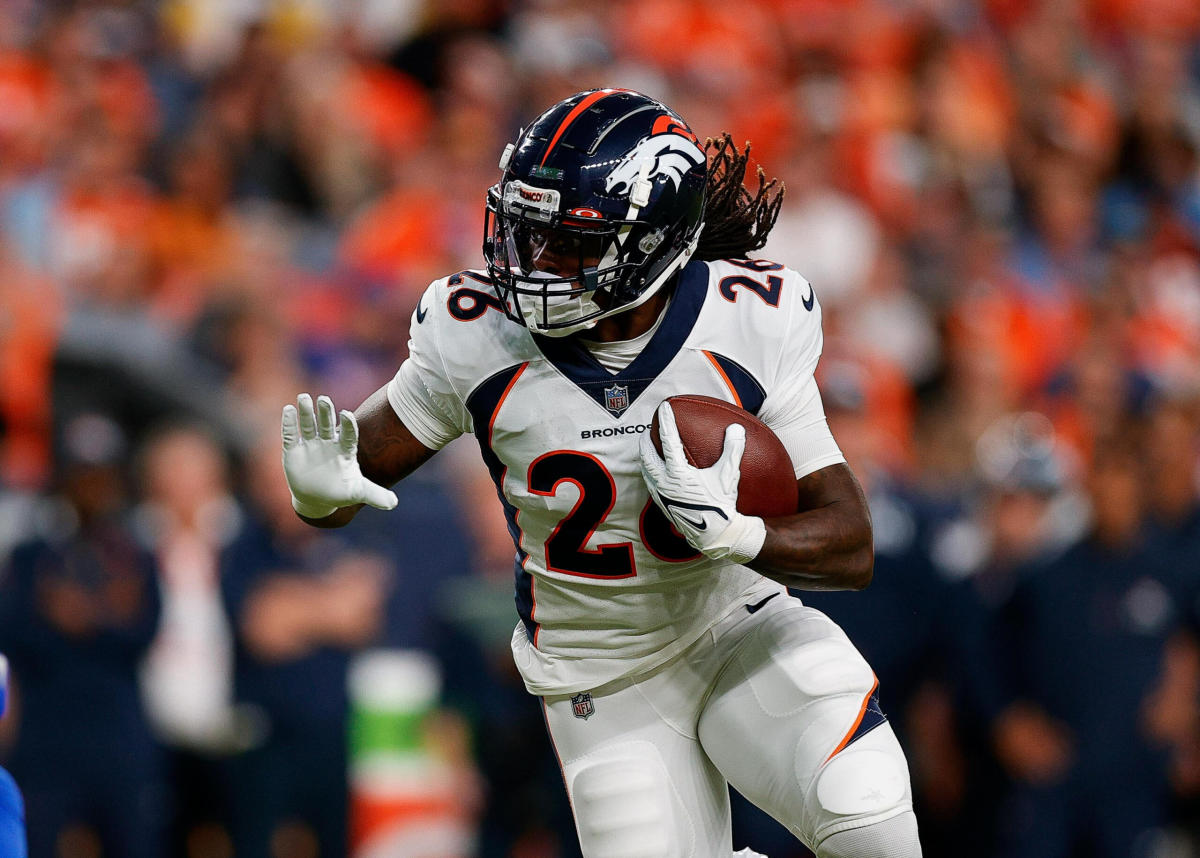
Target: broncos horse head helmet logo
<point x="667" y="155"/>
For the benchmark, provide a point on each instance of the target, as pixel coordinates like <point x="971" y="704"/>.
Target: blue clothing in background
<point x="1086" y="637"/>
<point x="84" y="753"/>
<point x="298" y="694"/>
<point x="12" y="818"/>
<point x="299" y="769"/>
<point x="12" y="809"/>
<point x="1179" y="543"/>
<point x="910" y="622"/>
<point x="1087" y="633"/>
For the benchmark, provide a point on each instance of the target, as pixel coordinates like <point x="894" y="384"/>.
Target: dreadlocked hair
<point x="735" y="221"/>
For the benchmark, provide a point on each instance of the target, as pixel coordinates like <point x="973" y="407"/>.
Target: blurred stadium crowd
<point x="207" y="207"/>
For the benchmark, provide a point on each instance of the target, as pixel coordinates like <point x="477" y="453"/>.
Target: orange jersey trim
<point x="737" y="400"/>
<point x="862" y="711"/>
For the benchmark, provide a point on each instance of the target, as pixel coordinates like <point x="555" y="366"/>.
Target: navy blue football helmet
<point x="600" y="201"/>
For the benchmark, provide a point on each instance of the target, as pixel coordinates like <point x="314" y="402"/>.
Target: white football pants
<point x="775" y="702"/>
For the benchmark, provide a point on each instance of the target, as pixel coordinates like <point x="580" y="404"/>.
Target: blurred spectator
<point x="250" y="105"/>
<point x="1024" y="507"/>
<point x="186" y="518"/>
<point x="1173" y="458"/>
<point x="1085" y="644"/>
<point x="1017" y="507"/>
<point x="192" y="233"/>
<point x="78" y="610"/>
<point x="888" y="323"/>
<point x="826" y="233"/>
<point x="301" y="600"/>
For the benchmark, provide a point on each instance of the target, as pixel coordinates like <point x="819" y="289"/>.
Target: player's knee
<point x="862" y="781"/>
<point x="860" y="789"/>
<point x="894" y="837"/>
<point x="622" y="804"/>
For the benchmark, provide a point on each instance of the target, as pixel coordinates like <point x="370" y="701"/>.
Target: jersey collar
<point x="577" y="364"/>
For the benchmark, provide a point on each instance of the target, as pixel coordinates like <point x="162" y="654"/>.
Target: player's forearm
<point x="387" y="452"/>
<point x="825" y="549"/>
<point x="829" y="545"/>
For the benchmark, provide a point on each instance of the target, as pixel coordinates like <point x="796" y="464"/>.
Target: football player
<point x="660" y="636"/>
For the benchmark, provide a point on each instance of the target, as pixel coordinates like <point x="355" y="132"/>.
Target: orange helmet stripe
<point x="575" y="111"/>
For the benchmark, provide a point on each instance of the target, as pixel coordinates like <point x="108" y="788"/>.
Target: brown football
<point x="768" y="482"/>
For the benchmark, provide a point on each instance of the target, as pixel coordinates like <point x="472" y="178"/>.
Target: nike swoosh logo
<point x="699" y="525"/>
<point x="811" y="299"/>
<point x="753" y="608"/>
<point x="421" y="313"/>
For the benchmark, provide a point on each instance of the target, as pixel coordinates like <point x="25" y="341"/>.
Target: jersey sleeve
<point x="793" y="407"/>
<point x="422" y="393"/>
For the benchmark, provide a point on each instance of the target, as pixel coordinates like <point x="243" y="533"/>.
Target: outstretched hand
<point x="320" y="460"/>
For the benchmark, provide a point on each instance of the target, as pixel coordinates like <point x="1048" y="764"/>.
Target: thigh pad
<point x="801" y="657"/>
<point x="624" y="803"/>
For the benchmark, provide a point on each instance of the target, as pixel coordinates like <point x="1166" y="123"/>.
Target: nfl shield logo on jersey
<point x="582" y="704"/>
<point x="616" y="398"/>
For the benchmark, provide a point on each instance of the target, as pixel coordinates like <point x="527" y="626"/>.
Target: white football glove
<point x="702" y="502"/>
<point x="320" y="460"/>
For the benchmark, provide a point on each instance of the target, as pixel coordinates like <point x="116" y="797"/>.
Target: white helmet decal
<point x="669" y="155"/>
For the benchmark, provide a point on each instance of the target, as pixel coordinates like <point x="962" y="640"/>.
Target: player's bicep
<point x="387" y="450"/>
<point x="833" y="484"/>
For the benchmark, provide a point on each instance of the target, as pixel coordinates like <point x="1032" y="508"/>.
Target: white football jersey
<point x="605" y="587"/>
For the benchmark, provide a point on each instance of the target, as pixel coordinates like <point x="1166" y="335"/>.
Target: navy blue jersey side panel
<point x="872" y="717"/>
<point x="483" y="404"/>
<point x="523" y="594"/>
<point x="749" y="391"/>
<point x="576" y="363"/>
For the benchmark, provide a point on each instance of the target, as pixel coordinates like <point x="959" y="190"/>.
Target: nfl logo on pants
<point x="582" y="705"/>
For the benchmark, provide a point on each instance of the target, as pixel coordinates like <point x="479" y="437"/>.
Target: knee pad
<point x="862" y="785"/>
<point x="862" y="781"/>
<point x="894" y="837"/>
<point x="624" y="803"/>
